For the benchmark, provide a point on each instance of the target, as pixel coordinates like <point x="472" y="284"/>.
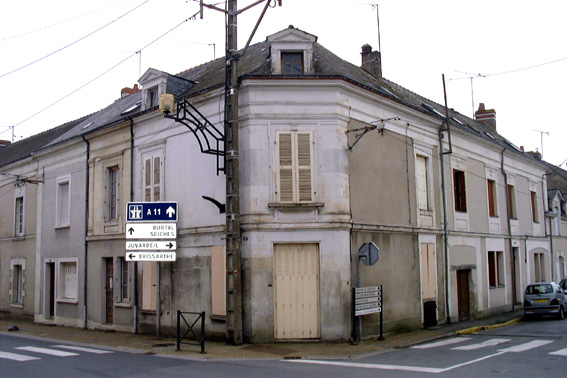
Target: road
<point x="527" y="349"/>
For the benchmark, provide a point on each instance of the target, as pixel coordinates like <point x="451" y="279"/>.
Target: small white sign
<point x="368" y="311"/>
<point x="151" y="245"/>
<point x="150" y="256"/>
<point x="151" y="230"/>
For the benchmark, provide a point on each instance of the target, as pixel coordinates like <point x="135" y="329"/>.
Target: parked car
<point x="544" y="298"/>
<point x="563" y="284"/>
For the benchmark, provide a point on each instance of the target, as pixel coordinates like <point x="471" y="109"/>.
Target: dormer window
<point x="153" y="97"/>
<point x="292" y="62"/>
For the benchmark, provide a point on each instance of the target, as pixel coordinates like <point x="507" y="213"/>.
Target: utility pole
<point x="233" y="255"/>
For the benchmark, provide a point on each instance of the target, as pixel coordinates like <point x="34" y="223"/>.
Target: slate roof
<point x="255" y="63"/>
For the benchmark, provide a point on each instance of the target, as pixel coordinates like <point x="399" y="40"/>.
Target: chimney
<point x="486" y="116"/>
<point x="371" y="61"/>
<point x="125" y="92"/>
<point x="4" y="143"/>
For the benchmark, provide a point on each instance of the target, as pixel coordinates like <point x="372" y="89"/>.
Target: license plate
<point x="540" y="300"/>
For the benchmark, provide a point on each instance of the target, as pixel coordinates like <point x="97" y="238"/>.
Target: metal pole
<point x="381" y="314"/>
<point x="233" y="257"/>
<point x="358" y="318"/>
<point x="178" y="333"/>
<point x="202" y="332"/>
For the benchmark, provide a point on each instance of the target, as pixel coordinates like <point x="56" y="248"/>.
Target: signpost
<point x="151" y="230"/>
<point x="151" y="256"/>
<point x="153" y="245"/>
<point x="151" y="212"/>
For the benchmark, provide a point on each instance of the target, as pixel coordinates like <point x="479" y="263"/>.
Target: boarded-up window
<point x="218" y="280"/>
<point x="152" y="172"/>
<point x="460" y="190"/>
<point x="491" y="189"/>
<point x="422" y="192"/>
<point x="295" y="182"/>
<point x="63" y="205"/>
<point x="539" y="267"/>
<point x="69" y="281"/>
<point x="428" y="277"/>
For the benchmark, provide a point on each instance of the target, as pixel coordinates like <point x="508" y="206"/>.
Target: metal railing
<point x="200" y="339"/>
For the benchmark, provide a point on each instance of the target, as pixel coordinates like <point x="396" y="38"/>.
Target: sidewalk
<point x="148" y="344"/>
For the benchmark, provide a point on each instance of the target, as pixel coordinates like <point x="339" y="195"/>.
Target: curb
<point x="483" y="328"/>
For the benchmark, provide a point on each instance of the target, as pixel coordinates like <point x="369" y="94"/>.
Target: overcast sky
<point x="73" y="57"/>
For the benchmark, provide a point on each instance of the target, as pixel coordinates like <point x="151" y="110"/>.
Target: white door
<point x="296" y="294"/>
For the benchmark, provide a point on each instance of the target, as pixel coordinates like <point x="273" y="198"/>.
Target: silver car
<point x="544" y="298"/>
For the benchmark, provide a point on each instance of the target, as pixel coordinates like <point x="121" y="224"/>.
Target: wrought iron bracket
<point x="211" y="140"/>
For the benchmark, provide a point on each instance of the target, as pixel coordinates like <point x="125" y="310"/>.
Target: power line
<point x="72" y="43"/>
<point x="59" y="23"/>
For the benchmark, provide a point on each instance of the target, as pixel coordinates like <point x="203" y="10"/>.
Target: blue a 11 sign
<point x="151" y="212"/>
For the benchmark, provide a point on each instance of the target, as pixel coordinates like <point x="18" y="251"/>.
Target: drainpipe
<point x="445" y="226"/>
<point x="543" y="191"/>
<point x="135" y="320"/>
<point x="87" y="183"/>
<point x="551" y="247"/>
<point x="513" y="275"/>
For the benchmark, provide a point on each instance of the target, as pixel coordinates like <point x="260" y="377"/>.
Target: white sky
<point x="420" y="40"/>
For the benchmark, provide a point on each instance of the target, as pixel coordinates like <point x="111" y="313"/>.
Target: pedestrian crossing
<point x="523" y="347"/>
<point x="30" y="353"/>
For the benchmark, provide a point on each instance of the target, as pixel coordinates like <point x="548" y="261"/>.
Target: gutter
<point x="513" y="259"/>
<point x="86" y="245"/>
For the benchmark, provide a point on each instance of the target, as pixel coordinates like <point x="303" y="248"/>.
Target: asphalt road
<point x="526" y="349"/>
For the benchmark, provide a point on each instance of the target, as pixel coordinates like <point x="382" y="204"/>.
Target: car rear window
<point x="539" y="289"/>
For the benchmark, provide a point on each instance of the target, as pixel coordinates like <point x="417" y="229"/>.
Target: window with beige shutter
<point x="295" y="174"/>
<point x="422" y="192"/>
<point x="152" y="172"/>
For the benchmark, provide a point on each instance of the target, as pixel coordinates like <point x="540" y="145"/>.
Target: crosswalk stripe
<point x="17" y="357"/>
<point x="442" y="343"/>
<point x="82" y="349"/>
<point x="562" y="352"/>
<point x="526" y="346"/>
<point x="51" y="352"/>
<point x="484" y="344"/>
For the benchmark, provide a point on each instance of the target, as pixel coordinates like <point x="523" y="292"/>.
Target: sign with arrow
<point x="151" y="212"/>
<point x="151" y="230"/>
<point x="150" y="256"/>
<point x="151" y="245"/>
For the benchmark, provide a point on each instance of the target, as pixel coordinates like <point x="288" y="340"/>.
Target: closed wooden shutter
<point x="149" y="285"/>
<point x="295" y="182"/>
<point x="218" y="280"/>
<point x="286" y="168"/>
<point x="304" y="167"/>
<point x="428" y="277"/>
<point x="152" y="171"/>
<point x="421" y="173"/>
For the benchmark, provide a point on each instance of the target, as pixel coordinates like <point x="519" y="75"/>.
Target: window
<point x="152" y="173"/>
<point x="495" y="268"/>
<point x="218" y="280"/>
<point x="17" y="283"/>
<point x="535" y="215"/>
<point x="68" y="281"/>
<point x="422" y="191"/>
<point x="153" y="97"/>
<point x="112" y="197"/>
<point x="62" y="203"/>
<point x="19" y="216"/>
<point x="512" y="201"/>
<point x="124" y="279"/>
<point x="460" y="192"/>
<point x="292" y="62"/>
<point x="491" y="188"/>
<point x="295" y="177"/>
<point x="539" y="267"/>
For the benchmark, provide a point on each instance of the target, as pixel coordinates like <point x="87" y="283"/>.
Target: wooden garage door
<point x="296" y="295"/>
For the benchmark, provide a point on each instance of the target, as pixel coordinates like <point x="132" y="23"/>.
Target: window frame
<point x="112" y="193"/>
<point x="123" y="280"/>
<point x="19" y="215"/>
<point x="289" y="62"/>
<point x="512" y="201"/>
<point x="534" y="207"/>
<point x="61" y="203"/>
<point x="492" y="198"/>
<point x="63" y="280"/>
<point x="496" y="269"/>
<point x="423" y="193"/>
<point x="149" y="183"/>
<point x="17" y="282"/>
<point x="459" y="190"/>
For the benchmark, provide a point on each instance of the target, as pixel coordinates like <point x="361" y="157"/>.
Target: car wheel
<point x="561" y="315"/>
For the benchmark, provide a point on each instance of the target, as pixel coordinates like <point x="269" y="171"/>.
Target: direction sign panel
<point x="150" y="256"/>
<point x="151" y="212"/>
<point x="151" y="245"/>
<point x="151" y="230"/>
<point x="367" y="300"/>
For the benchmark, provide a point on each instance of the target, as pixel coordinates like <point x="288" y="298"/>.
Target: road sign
<point x="151" y="245"/>
<point x="151" y="212"/>
<point x="150" y="256"/>
<point x="367" y="300"/>
<point x="151" y="230"/>
<point x="368" y="253"/>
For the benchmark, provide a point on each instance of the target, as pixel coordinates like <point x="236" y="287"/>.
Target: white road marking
<point x="51" y="352"/>
<point x="484" y="344"/>
<point x="562" y="352"/>
<point x="442" y="343"/>
<point x="373" y="366"/>
<point x="526" y="346"/>
<point x="17" y="357"/>
<point x="82" y="349"/>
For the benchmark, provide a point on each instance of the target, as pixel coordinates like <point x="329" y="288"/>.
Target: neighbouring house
<point x="332" y="156"/>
